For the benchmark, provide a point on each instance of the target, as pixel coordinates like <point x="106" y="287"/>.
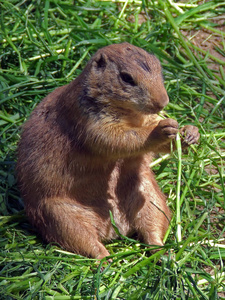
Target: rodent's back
<point x="40" y="151"/>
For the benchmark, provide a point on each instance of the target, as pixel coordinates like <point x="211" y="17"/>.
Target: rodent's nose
<point x="162" y="101"/>
<point x="165" y="100"/>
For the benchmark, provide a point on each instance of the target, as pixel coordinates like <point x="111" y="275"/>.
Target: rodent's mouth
<point x="147" y="110"/>
<point x="140" y="109"/>
<point x="154" y="108"/>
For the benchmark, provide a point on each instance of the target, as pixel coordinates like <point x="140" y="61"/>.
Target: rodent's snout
<point x="161" y="102"/>
<point x="156" y="104"/>
<point x="164" y="100"/>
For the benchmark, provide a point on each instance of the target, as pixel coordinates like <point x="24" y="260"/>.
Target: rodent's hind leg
<point x="62" y="221"/>
<point x="152" y="221"/>
<point x="151" y="230"/>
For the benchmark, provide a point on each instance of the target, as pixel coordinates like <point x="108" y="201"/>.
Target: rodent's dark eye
<point x="127" y="78"/>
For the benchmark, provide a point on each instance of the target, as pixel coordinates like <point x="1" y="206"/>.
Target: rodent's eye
<point x="127" y="78"/>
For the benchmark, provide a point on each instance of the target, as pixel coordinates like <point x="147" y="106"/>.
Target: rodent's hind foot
<point x="100" y="252"/>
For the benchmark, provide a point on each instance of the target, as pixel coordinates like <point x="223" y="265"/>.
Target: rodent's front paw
<point x="168" y="127"/>
<point x="190" y="135"/>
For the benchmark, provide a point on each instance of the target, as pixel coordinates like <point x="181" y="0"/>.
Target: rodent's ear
<point x="100" y="62"/>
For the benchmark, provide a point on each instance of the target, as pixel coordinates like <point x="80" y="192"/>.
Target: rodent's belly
<point x="117" y="190"/>
<point x="96" y="203"/>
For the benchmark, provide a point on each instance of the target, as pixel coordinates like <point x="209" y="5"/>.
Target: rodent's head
<point x="128" y="77"/>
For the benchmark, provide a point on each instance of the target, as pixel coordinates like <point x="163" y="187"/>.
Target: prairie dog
<point x="86" y="149"/>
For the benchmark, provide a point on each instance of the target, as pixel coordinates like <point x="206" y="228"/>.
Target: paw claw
<point x="190" y="135"/>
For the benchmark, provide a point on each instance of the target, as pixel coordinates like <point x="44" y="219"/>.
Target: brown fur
<point x="86" y="150"/>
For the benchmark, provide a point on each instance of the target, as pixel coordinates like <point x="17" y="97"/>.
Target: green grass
<point x="45" y="44"/>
